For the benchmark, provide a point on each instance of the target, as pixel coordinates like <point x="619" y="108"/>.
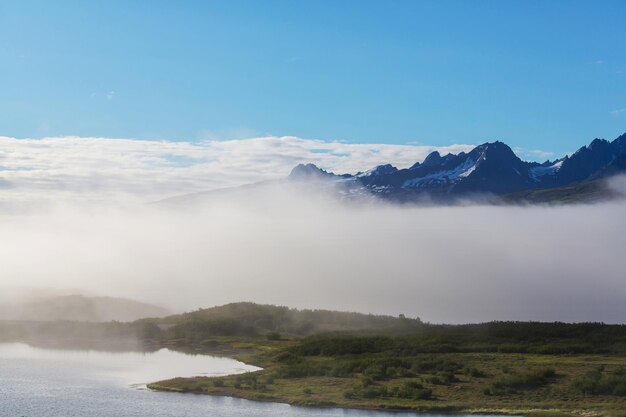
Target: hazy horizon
<point x="292" y="247"/>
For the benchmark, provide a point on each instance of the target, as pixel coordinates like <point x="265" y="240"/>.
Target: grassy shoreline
<point x="471" y="376"/>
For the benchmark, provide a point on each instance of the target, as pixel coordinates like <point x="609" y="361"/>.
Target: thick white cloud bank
<point x="129" y="170"/>
<point x="452" y="264"/>
<point x="289" y="247"/>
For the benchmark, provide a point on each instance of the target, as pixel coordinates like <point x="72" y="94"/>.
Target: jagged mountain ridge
<point x="490" y="168"/>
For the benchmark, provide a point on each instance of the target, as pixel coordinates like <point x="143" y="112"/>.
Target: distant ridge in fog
<point x="83" y="308"/>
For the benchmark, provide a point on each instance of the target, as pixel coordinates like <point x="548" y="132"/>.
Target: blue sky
<point x="535" y="74"/>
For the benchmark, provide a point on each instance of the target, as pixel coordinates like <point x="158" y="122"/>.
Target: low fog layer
<point x="443" y="264"/>
<point x="33" y="305"/>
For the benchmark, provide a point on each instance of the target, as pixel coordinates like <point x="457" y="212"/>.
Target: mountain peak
<point x="497" y="148"/>
<point x="379" y="170"/>
<point x="307" y="172"/>
<point x="494" y="145"/>
<point x="597" y="142"/>
<point x="433" y="158"/>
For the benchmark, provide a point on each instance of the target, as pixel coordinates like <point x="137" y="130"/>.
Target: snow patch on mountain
<point x="446" y="176"/>
<point x="537" y="173"/>
<point x="378" y="170"/>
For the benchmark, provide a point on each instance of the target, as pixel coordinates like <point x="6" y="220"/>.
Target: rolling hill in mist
<point x="211" y="327"/>
<point x="246" y="318"/>
<point x="81" y="308"/>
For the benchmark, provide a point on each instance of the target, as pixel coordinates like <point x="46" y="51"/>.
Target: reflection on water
<point x="128" y="367"/>
<point x="38" y="382"/>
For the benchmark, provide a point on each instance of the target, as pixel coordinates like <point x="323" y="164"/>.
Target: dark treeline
<point x="505" y="337"/>
<point x="330" y="333"/>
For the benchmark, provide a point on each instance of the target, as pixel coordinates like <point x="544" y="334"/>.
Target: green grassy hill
<point x="250" y="319"/>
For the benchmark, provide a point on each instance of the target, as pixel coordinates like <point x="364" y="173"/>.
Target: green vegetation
<point x="329" y="333"/>
<point x="317" y="357"/>
<point x="500" y="367"/>
<point x="599" y="382"/>
<point x="504" y="337"/>
<point x="512" y="383"/>
<point x="251" y="320"/>
<point x="528" y="384"/>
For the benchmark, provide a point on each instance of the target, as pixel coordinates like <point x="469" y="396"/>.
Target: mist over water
<point x="443" y="264"/>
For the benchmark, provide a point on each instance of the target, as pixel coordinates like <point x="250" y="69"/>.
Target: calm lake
<point x="38" y="382"/>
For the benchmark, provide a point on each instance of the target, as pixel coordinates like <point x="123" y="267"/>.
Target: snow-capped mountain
<point x="491" y="168"/>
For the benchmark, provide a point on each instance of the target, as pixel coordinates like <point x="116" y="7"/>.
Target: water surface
<point x="38" y="382"/>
